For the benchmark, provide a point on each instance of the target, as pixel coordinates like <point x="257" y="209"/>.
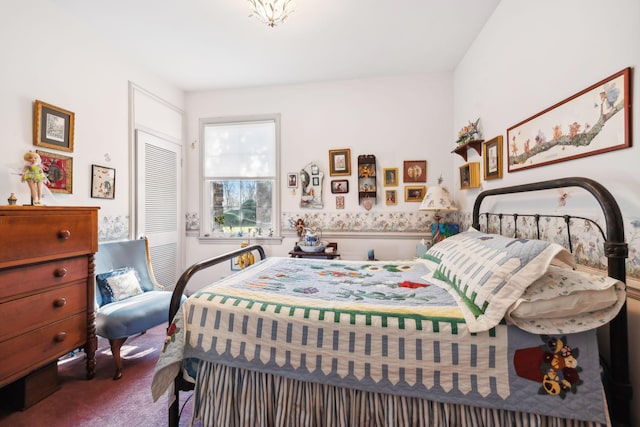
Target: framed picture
<point x="339" y="202"/>
<point x="415" y="171"/>
<point x="340" y="162"/>
<point x="292" y="180"/>
<point x="59" y="170"/>
<point x="103" y="182"/>
<point x="339" y="186"/>
<point x="391" y="197"/>
<point x="470" y="175"/>
<point x="315" y="181"/>
<point x="414" y="193"/>
<point x="52" y="127"/>
<point x="492" y="154"/>
<point x="390" y="177"/>
<point x="593" y="121"/>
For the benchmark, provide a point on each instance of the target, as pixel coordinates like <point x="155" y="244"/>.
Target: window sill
<point x="262" y="240"/>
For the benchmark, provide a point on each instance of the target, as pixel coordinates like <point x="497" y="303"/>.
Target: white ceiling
<point x="214" y="44"/>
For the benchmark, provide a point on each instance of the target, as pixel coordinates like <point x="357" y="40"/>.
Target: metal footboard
<point x="178" y="291"/>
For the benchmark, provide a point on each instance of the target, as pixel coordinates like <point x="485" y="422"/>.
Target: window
<point x="240" y="163"/>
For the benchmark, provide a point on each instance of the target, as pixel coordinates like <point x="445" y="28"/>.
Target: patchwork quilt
<point x="493" y="277"/>
<point x="383" y="327"/>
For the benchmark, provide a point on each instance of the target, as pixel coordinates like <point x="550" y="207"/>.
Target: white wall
<point x="47" y="56"/>
<point x="531" y="55"/>
<point x="395" y="119"/>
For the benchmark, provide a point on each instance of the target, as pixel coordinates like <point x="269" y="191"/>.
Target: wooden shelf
<point x="367" y="186"/>
<point x="476" y="144"/>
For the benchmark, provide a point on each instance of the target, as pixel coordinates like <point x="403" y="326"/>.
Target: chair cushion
<point x="118" y="284"/>
<point x="133" y="315"/>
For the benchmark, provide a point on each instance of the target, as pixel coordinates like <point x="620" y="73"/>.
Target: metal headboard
<point x="619" y="389"/>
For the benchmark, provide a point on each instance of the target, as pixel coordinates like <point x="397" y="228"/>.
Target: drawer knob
<point x="60" y="336"/>
<point x="60" y="302"/>
<point x="60" y="272"/>
<point x="64" y="234"/>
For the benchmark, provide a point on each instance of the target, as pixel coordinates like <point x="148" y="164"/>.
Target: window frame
<point x="205" y="221"/>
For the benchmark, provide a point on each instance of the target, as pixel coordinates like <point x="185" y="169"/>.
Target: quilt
<point x="526" y="281"/>
<point x="381" y="327"/>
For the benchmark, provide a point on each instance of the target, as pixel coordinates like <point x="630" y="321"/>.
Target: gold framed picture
<point x="470" y="175"/>
<point x="492" y="157"/>
<point x="391" y="197"/>
<point x="52" y="127"/>
<point x="59" y="171"/>
<point x="414" y="193"/>
<point x="340" y="162"/>
<point x="390" y="177"/>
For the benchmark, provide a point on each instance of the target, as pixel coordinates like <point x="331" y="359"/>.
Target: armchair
<point x="129" y="300"/>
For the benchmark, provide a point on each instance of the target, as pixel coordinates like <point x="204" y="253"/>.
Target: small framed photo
<point x="52" y="127"/>
<point x="103" y="182"/>
<point x="415" y="171"/>
<point x="59" y="171"/>
<point x="414" y="193"/>
<point x="339" y="186"/>
<point x="390" y="177"/>
<point x="339" y="202"/>
<point x="470" y="175"/>
<point x="340" y="162"/>
<point x="292" y="180"/>
<point x="492" y="153"/>
<point x="391" y="197"/>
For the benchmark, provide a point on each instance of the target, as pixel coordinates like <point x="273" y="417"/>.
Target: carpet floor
<point x="102" y="401"/>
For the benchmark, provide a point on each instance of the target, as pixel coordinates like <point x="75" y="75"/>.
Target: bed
<point x="483" y="330"/>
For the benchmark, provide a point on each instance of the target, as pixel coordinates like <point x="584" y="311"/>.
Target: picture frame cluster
<point x="54" y="129"/>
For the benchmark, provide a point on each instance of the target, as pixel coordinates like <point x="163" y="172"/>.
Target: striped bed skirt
<point x="234" y="397"/>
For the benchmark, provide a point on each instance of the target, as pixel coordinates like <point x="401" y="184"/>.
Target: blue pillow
<point x="119" y="284"/>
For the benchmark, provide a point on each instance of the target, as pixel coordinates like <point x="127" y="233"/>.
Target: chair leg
<point x="116" y="344"/>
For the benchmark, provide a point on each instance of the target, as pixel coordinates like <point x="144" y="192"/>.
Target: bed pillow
<point x="567" y="301"/>
<point x="487" y="273"/>
<point x="119" y="284"/>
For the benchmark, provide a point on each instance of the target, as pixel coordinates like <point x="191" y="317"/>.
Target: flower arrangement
<point x="469" y="133"/>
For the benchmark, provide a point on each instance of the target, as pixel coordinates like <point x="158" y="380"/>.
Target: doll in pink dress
<point x="33" y="174"/>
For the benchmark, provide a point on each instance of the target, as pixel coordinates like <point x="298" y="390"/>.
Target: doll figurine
<point x="33" y="174"/>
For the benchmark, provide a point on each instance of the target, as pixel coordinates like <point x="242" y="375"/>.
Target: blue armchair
<point x="129" y="300"/>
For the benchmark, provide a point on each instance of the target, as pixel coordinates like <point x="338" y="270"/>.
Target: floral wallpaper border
<point x="586" y="240"/>
<point x="396" y="221"/>
<point x="113" y="227"/>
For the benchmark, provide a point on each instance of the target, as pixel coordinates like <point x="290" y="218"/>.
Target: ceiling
<point x="214" y="44"/>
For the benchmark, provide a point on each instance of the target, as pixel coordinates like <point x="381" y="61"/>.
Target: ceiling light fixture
<point x="271" y="12"/>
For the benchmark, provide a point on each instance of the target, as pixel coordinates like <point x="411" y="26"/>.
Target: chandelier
<point x="271" y="12"/>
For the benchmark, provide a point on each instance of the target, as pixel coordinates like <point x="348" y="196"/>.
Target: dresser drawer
<point x="41" y="309"/>
<point x="33" y="278"/>
<point x="27" y="352"/>
<point x="27" y="239"/>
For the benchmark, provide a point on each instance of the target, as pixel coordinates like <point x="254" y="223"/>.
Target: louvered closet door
<point x="158" y="202"/>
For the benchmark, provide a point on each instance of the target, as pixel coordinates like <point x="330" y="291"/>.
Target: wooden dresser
<point x="47" y="292"/>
